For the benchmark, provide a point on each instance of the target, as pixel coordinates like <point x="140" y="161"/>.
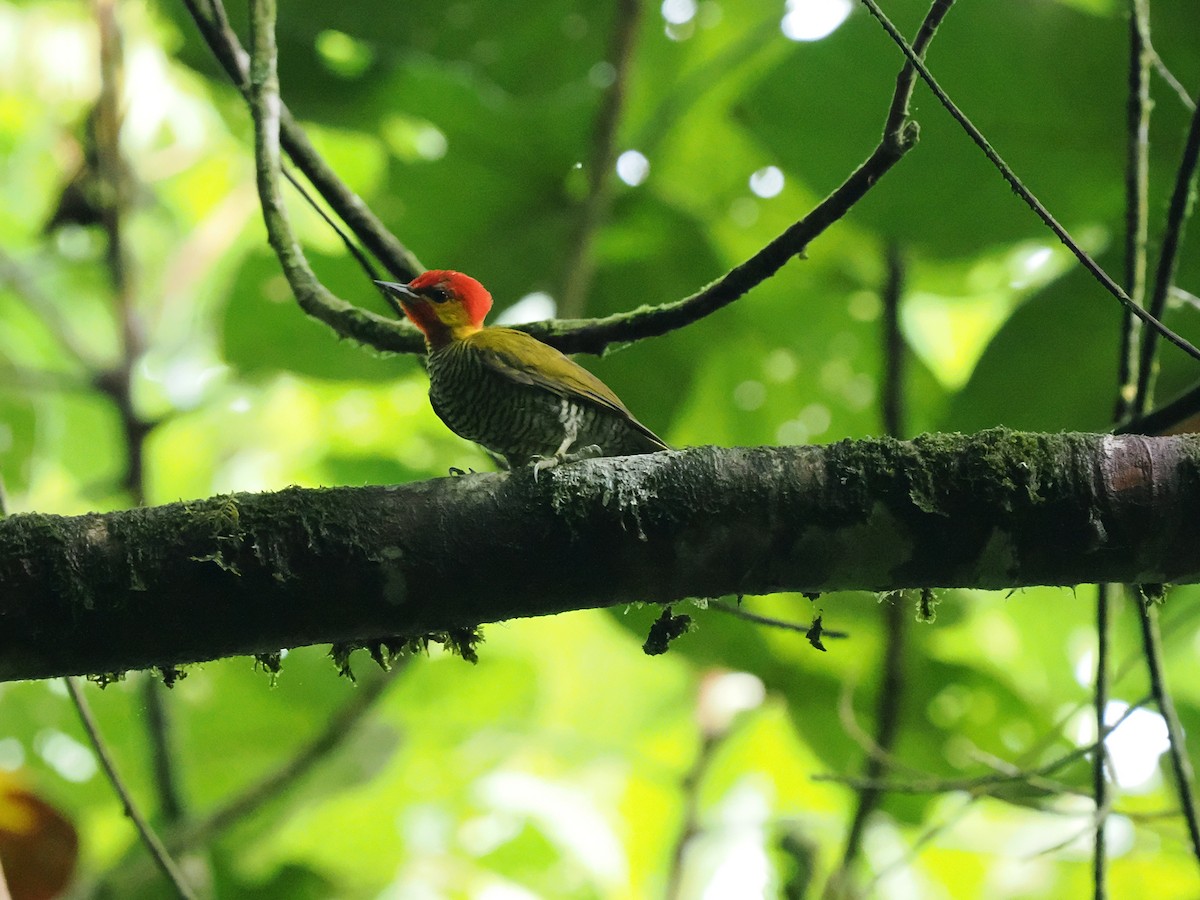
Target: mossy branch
<point x="253" y="573"/>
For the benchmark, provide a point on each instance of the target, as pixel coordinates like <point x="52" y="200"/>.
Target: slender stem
<point x="117" y="383"/>
<point x="899" y="136"/>
<point x="337" y="729"/>
<point x="114" y="176"/>
<point x="804" y="628"/>
<point x="1137" y="188"/>
<point x="690" y="788"/>
<point x="1023" y="192"/>
<point x="159" y="730"/>
<point x="580" y="261"/>
<point x="149" y="838"/>
<point x="48" y="311"/>
<point x="1178" y="212"/>
<point x="890" y="699"/>
<point x="313" y="297"/>
<point x="1180" y="765"/>
<point x="894" y="354"/>
<point x="984" y="784"/>
<point x="1137" y="181"/>
<point x="1100" y="757"/>
<point x="1173" y="83"/>
<point x="1176" y="416"/>
<point x="213" y="24"/>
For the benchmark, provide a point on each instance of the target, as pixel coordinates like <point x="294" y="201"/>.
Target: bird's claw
<point x="542" y="463"/>
<point x="591" y="451"/>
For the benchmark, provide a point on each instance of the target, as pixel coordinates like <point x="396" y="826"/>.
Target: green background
<point x="557" y="766"/>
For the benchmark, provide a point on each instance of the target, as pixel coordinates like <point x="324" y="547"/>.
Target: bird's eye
<point x="438" y="293"/>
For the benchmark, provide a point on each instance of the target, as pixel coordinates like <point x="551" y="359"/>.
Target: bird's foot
<point x="591" y="451"/>
<point x="542" y="463"/>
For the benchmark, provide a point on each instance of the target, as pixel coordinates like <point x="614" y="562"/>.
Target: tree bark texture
<point x="253" y="573"/>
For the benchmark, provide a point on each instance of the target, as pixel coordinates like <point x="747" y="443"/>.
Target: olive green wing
<point x="526" y="360"/>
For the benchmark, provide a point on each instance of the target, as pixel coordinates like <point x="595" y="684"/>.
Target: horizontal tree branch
<point x="253" y="573"/>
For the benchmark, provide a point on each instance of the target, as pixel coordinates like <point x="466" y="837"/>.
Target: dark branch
<point x="251" y="573"/>
<point x="159" y="853"/>
<point x="890" y="700"/>
<point x="314" y="298"/>
<point x="1181" y="766"/>
<point x="572" y="336"/>
<point x="1137" y="189"/>
<point x="1023" y="192"/>
<point x="581" y="263"/>
<point x="213" y="25"/>
<point x="1180" y="415"/>
<point x="899" y="136"/>
<point x="1182" y="198"/>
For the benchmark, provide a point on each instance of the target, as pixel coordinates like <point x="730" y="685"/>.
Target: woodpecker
<point x="504" y="389"/>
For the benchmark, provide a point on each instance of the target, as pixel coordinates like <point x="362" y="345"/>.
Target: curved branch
<point x="899" y="136"/>
<point x="571" y="336"/>
<point x="314" y="298"/>
<point x="1181" y="766"/>
<point x="161" y="858"/>
<point x="1179" y="415"/>
<point x="213" y="25"/>
<point x="1182" y="197"/>
<point x="581" y="264"/>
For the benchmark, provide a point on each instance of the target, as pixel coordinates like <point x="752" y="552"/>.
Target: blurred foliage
<point x="557" y="766"/>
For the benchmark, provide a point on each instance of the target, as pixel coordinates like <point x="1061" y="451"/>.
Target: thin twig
<point x="889" y="701"/>
<point x="1173" y="417"/>
<point x="589" y="336"/>
<point x="716" y="719"/>
<point x="1173" y="83"/>
<point x="1184" y="297"/>
<point x="984" y="784"/>
<point x="149" y="838"/>
<point x="1180" y="765"/>
<point x="1137" y="183"/>
<point x="894" y="355"/>
<point x="400" y="262"/>
<point x="48" y="312"/>
<point x="314" y="298"/>
<point x="1023" y="192"/>
<point x="1178" y="212"/>
<point x="899" y="136"/>
<point x="1100" y="758"/>
<point x="690" y="788"/>
<point x="581" y="263"/>
<point x="803" y="628"/>
<point x="117" y="383"/>
<point x="364" y="262"/>
<point x="158" y="728"/>
<point x="1137" y="189"/>
<point x="338" y="728"/>
<point x="113" y="175"/>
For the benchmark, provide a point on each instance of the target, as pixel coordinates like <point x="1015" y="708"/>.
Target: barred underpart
<point x="521" y="422"/>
